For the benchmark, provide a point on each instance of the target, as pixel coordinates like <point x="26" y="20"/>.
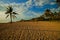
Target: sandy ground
<point x="43" y="30"/>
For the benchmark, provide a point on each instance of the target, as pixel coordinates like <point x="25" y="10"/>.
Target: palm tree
<point x="10" y="12"/>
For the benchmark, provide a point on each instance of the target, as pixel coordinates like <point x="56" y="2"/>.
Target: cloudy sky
<point x="26" y="9"/>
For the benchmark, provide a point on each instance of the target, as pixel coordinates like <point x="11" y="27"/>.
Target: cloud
<point x="3" y="17"/>
<point x="44" y="2"/>
<point x="28" y="3"/>
<point x="20" y="8"/>
<point x="41" y="2"/>
<point x="55" y="9"/>
<point x="52" y="3"/>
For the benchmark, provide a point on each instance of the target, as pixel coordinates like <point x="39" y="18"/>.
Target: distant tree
<point x="48" y="14"/>
<point x="10" y="13"/>
<point x="58" y="2"/>
<point x="55" y="14"/>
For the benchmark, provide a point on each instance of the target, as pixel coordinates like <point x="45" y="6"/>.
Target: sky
<point x="27" y="9"/>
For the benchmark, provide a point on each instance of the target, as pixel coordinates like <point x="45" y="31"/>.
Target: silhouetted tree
<point x="48" y="14"/>
<point x="58" y="2"/>
<point x="10" y="12"/>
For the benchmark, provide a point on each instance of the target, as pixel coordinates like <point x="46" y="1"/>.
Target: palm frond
<point x="7" y="16"/>
<point x="15" y="13"/>
<point x="10" y="8"/>
<point x="7" y="8"/>
<point x="6" y="12"/>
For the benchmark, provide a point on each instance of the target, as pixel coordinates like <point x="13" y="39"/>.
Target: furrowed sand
<point x="42" y="30"/>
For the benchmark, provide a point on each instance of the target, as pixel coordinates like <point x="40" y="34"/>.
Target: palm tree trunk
<point x="11" y="17"/>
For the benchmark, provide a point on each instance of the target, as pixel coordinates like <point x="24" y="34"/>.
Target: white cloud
<point x="3" y="17"/>
<point x="22" y="9"/>
<point x="55" y="9"/>
<point x="41" y="2"/>
<point x="19" y="8"/>
<point x="30" y="14"/>
<point x="52" y="3"/>
<point x="28" y="3"/>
